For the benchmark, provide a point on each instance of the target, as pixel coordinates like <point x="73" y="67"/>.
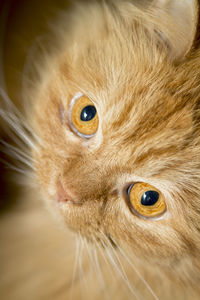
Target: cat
<point x="113" y="110"/>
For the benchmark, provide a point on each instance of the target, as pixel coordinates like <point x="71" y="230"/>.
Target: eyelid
<point x="74" y="99"/>
<point x="79" y="95"/>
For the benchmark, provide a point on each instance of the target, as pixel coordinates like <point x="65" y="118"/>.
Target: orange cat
<point x="114" y="107"/>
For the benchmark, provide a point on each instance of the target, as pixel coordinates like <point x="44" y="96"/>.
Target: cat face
<point x="117" y="121"/>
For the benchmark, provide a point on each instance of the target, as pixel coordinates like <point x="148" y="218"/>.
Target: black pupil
<point x="88" y="113"/>
<point x="149" y="198"/>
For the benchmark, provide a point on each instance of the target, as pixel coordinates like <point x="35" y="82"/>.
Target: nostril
<point x="64" y="195"/>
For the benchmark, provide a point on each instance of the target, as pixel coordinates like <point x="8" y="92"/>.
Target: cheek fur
<point x="108" y="213"/>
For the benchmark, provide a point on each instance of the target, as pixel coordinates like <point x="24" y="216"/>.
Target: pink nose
<point x="64" y="195"/>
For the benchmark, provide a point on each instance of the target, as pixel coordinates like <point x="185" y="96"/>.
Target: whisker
<point x="111" y="241"/>
<point x="10" y="107"/>
<point x="17" y="150"/>
<point x="92" y="251"/>
<point x="107" y="262"/>
<point x="80" y="268"/>
<point x="20" y="158"/>
<point x="14" y="168"/>
<point x="99" y="272"/>
<point x="122" y="274"/>
<point x="137" y="272"/>
<point x="17" y="128"/>
<point x="90" y="255"/>
<point x="75" y="265"/>
<point x="102" y="252"/>
<point x="17" y="140"/>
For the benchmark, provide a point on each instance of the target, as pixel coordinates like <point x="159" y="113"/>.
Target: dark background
<point x="21" y="21"/>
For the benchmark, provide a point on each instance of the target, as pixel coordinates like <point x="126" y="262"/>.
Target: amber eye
<point x="84" y="118"/>
<point x="145" y="200"/>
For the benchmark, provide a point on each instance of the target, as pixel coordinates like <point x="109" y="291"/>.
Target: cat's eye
<point x="145" y="200"/>
<point x="83" y="116"/>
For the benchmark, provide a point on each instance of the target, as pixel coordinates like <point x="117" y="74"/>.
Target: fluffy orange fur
<point x="138" y="65"/>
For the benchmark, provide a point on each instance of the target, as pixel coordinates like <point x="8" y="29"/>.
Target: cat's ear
<point x="179" y="20"/>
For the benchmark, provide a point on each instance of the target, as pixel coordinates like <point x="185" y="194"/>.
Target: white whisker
<point x="82" y="274"/>
<point x="17" y="150"/>
<point x="95" y="263"/>
<point x="130" y="263"/>
<point x="17" y="140"/>
<point x="122" y="274"/>
<point x="99" y="272"/>
<point x="14" y="168"/>
<point x="90" y="256"/>
<point x="20" y="158"/>
<point x="102" y="252"/>
<point x="75" y="265"/>
<point x="138" y="273"/>
<point x="11" y="108"/>
<point x="12" y="121"/>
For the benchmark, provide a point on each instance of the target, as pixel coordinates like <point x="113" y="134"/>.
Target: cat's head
<point x="118" y="120"/>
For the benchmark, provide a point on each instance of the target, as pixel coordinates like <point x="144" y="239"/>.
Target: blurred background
<point x="21" y="22"/>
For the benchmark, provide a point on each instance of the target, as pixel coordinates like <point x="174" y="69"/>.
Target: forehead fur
<point x="128" y="73"/>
